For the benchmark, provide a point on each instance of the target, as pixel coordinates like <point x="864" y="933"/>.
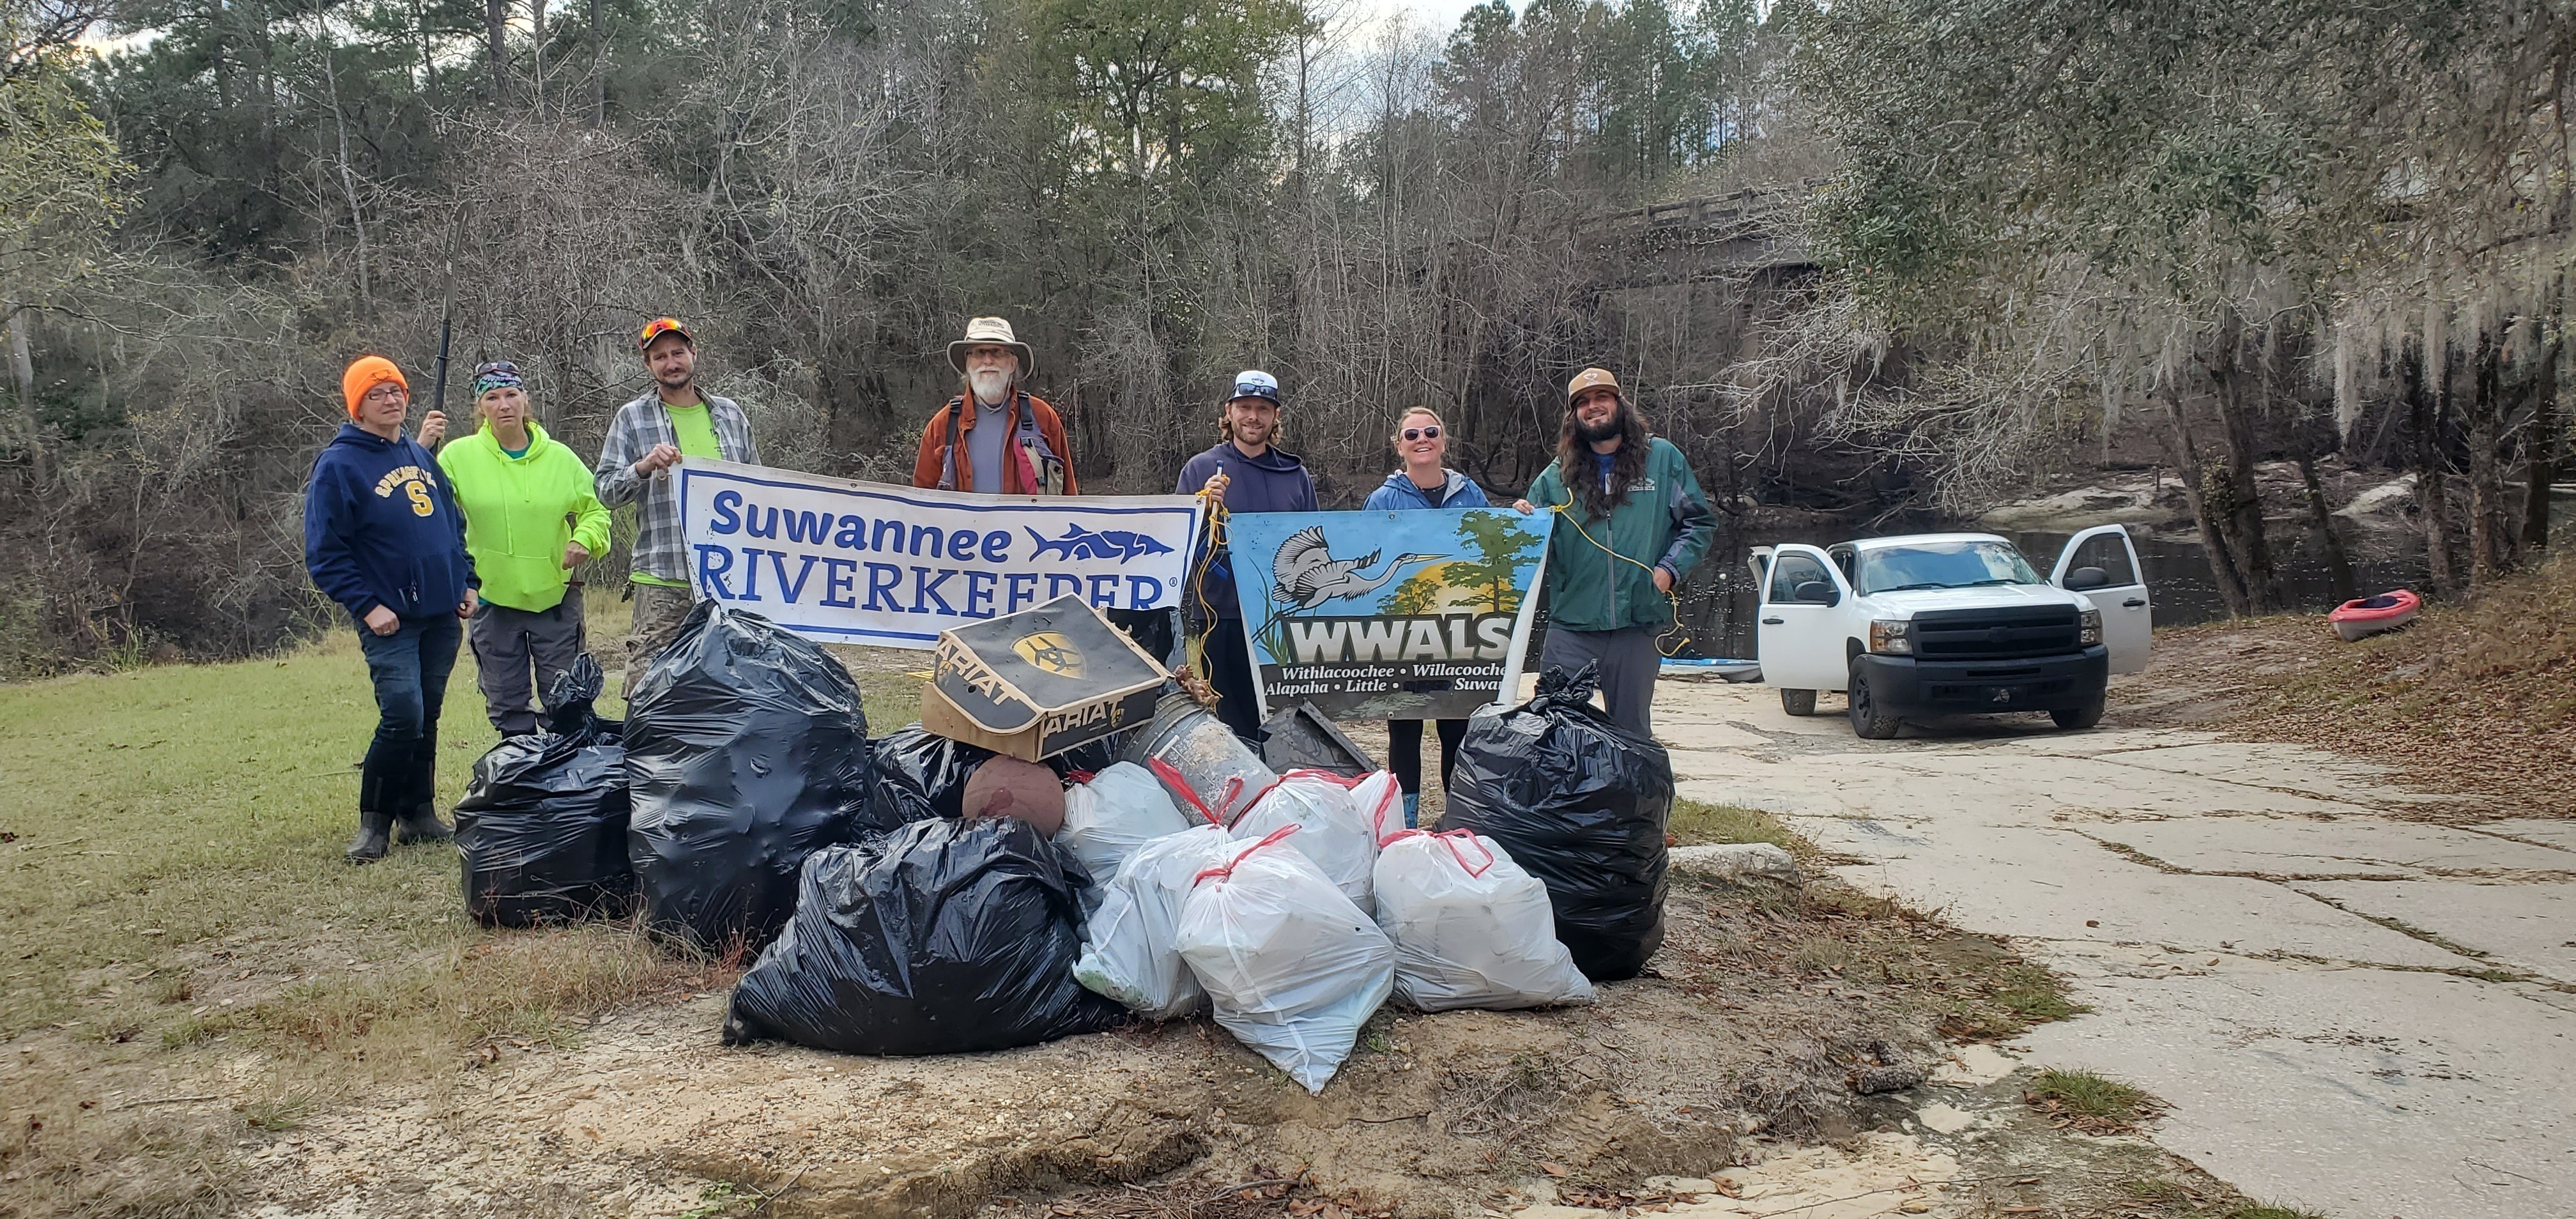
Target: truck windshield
<point x="1942" y="565"/>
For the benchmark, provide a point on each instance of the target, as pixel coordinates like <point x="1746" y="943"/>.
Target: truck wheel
<point x="2081" y="717"/>
<point x="1798" y="702"/>
<point x="1869" y="721"/>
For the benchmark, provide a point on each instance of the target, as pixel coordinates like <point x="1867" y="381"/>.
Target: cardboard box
<point x="1036" y="683"/>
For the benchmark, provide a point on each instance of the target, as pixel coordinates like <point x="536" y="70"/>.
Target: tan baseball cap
<point x="1590" y="378"/>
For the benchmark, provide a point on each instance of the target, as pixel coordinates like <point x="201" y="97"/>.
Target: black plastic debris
<point x="541" y="831"/>
<point x="1582" y="803"/>
<point x="919" y="775"/>
<point x="944" y="937"/>
<point x="746" y="750"/>
<point x="1303" y="738"/>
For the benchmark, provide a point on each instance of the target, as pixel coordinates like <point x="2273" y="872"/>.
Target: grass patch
<point x="278" y="1114"/>
<point x="2095" y="1104"/>
<point x="1697" y="822"/>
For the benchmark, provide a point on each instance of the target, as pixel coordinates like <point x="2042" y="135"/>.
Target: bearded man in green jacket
<point x="1635" y="524"/>
<point x="531" y="518"/>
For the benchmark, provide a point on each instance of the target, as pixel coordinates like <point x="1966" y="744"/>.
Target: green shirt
<point x="697" y="435"/>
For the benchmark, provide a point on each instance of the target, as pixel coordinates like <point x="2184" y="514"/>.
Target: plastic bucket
<point x="1220" y="769"/>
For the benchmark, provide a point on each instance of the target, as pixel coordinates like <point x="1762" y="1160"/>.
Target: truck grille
<point x="1995" y="634"/>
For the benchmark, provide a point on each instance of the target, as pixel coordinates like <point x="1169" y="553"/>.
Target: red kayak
<point x="2374" y="615"/>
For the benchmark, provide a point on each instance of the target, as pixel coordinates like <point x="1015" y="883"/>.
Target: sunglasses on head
<point x="1423" y="433"/>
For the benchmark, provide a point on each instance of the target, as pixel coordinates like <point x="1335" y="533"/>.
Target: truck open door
<point x="2101" y="563"/>
<point x="1801" y="633"/>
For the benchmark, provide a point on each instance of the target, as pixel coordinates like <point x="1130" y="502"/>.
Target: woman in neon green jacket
<point x="531" y="517"/>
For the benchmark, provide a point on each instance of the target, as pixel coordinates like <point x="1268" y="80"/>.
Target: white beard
<point x="989" y="384"/>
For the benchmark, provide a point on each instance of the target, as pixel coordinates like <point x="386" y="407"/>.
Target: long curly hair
<point x="1574" y="459"/>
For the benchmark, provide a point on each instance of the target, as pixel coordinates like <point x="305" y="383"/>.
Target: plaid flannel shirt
<point x="639" y="426"/>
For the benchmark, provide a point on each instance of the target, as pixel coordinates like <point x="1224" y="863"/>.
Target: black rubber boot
<point x="420" y="794"/>
<point x="422" y="825"/>
<point x="374" y="837"/>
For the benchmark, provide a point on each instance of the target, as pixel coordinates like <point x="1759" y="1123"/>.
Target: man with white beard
<point x="995" y="437"/>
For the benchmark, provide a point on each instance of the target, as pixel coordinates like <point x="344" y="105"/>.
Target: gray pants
<point x="508" y="643"/>
<point x="1629" y="663"/>
<point x="660" y="611"/>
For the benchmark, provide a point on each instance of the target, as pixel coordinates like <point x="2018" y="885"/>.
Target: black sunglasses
<point x="1423" y="433"/>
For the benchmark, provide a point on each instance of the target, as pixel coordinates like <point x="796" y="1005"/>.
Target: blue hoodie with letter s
<point x="381" y="528"/>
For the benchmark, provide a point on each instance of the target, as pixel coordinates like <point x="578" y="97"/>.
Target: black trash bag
<point x="542" y="828"/>
<point x="1582" y="803"/>
<point x="746" y="749"/>
<point x="919" y="775"/>
<point x="944" y="937"/>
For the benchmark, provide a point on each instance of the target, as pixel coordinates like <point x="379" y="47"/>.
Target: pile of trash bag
<point x="1337" y="838"/>
<point x="1106" y="819"/>
<point x="1292" y="966"/>
<point x="746" y="750"/>
<point x="1471" y="927"/>
<point x="919" y="775"/>
<point x="541" y="831"/>
<point x="1582" y="804"/>
<point x="944" y="937"/>
<point x="1131" y="948"/>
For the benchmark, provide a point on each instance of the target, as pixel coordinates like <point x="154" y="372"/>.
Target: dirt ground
<point x="1734" y="1055"/>
<point x="2477" y="698"/>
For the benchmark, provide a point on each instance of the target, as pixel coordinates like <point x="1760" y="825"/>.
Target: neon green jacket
<point x="520" y="512"/>
<point x="1664" y="522"/>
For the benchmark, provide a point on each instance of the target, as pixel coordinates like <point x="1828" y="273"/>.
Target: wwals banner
<point x="1387" y="615"/>
<point x="853" y="562"/>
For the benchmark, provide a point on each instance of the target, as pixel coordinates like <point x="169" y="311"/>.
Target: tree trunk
<point x="2540" y="452"/>
<point x="598" y="68"/>
<point x="2432" y="496"/>
<point x="22" y="367"/>
<point x="496" y="28"/>
<point x="2241" y="516"/>
<point x="2330" y="543"/>
<point x="2222" y="565"/>
<point x="2487" y="556"/>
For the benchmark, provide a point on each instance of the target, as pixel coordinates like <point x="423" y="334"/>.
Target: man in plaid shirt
<point x="649" y="436"/>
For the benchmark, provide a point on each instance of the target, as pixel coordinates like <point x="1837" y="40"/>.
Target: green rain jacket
<point x="1663" y="522"/>
<point x="519" y="513"/>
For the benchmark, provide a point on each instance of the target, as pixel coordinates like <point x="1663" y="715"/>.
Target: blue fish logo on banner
<point x="1396" y="615"/>
<point x="854" y="562"/>
<point x="1081" y="543"/>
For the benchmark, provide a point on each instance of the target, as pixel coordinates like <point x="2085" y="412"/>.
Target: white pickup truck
<point x="1951" y="624"/>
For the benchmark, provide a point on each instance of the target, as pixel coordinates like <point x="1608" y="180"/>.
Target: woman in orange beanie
<point x="383" y="538"/>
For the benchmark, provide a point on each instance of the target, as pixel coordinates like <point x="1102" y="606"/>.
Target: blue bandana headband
<point x="496" y="374"/>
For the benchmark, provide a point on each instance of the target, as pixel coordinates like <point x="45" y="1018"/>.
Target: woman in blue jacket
<point x="383" y="538"/>
<point x="1421" y="444"/>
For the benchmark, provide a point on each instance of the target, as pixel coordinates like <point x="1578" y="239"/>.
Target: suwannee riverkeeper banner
<point x="1387" y="615"/>
<point x="853" y="562"/>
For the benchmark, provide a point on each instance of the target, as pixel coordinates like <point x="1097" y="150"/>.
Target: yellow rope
<point x="1680" y="638"/>
<point x="1194" y="648"/>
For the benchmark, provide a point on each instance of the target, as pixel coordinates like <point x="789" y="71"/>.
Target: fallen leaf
<point x="1551" y="1168"/>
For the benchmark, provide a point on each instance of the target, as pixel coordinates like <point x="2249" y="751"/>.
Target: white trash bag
<point x="1130" y="946"/>
<point x="1336" y="837"/>
<point x="1380" y="801"/>
<point x="1471" y="927"/>
<point x="1294" y="968"/>
<point x="1105" y="820"/>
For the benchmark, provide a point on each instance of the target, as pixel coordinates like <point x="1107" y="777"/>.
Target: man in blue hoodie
<point x="1245" y="472"/>
<point x="383" y="538"/>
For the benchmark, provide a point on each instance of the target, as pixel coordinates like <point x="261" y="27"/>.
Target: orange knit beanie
<point x="364" y="374"/>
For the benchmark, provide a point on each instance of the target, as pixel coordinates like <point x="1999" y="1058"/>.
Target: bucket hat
<point x="993" y="332"/>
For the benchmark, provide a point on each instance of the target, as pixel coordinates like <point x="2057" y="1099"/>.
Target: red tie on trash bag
<point x="1450" y="838"/>
<point x="1179" y="782"/>
<point x="1227" y="869"/>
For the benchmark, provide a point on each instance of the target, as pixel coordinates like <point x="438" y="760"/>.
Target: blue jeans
<point x="409" y="669"/>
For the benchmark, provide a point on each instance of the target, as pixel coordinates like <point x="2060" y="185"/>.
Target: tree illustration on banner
<point x="1501" y="544"/>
